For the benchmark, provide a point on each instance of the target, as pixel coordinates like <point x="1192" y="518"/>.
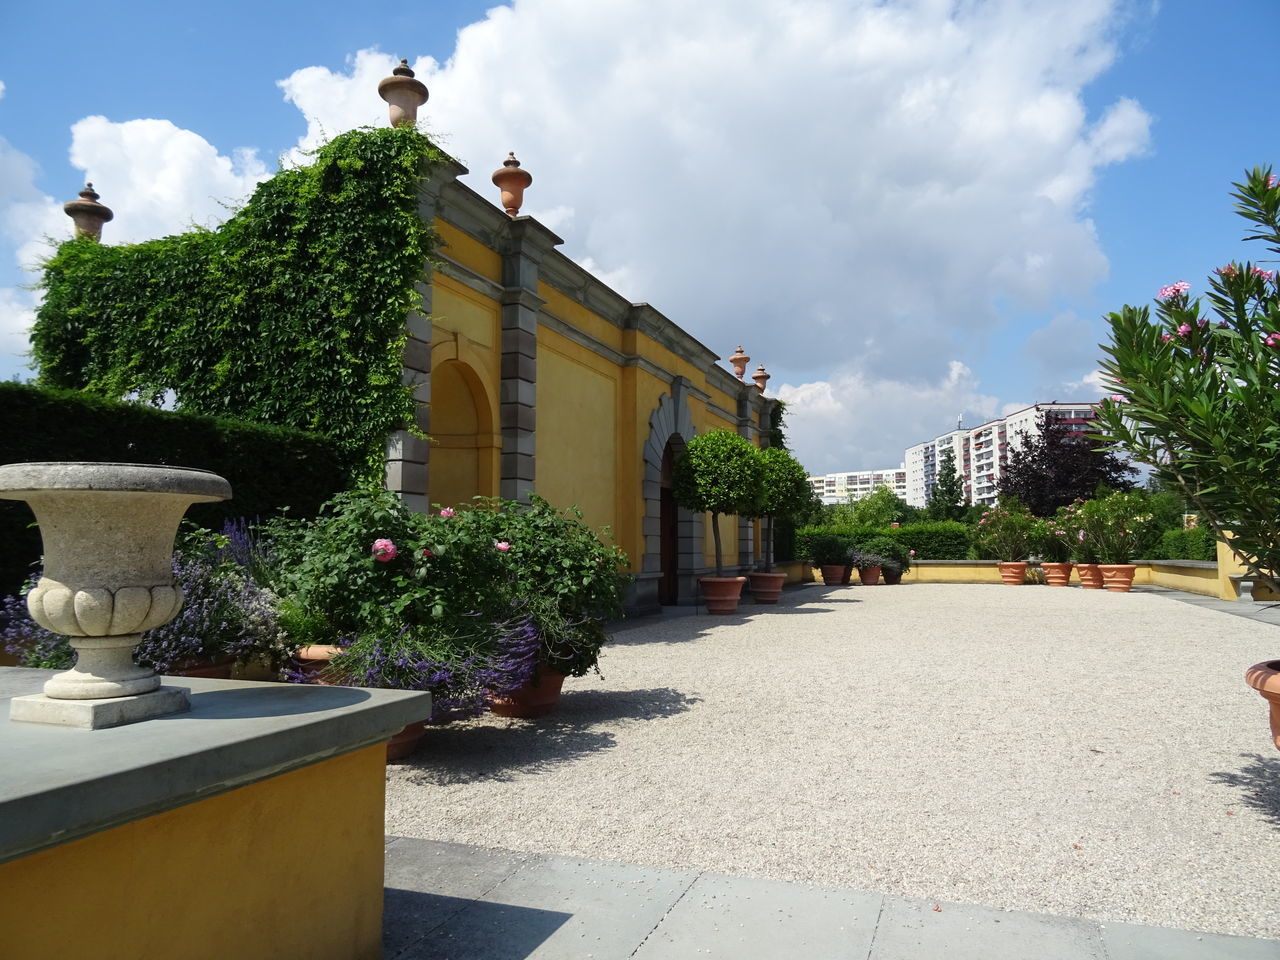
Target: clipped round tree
<point x="784" y="492"/>
<point x="719" y="472"/>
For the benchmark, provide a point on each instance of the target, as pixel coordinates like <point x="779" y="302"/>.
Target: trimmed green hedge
<point x="269" y="468"/>
<point x="931" y="540"/>
<point x="1197" y="543"/>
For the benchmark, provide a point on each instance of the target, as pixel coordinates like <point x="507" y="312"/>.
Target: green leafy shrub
<point x="1197" y="543"/>
<point x="1005" y="532"/>
<point x="1197" y="389"/>
<point x="1118" y="528"/>
<point x="270" y="468"/>
<point x="935" y="540"/>
<point x="462" y="603"/>
<point x="317" y="273"/>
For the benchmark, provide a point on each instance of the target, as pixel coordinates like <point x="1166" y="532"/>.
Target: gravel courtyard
<point x="1053" y="750"/>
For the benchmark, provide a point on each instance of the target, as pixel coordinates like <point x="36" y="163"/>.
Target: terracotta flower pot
<point x="1090" y="575"/>
<point x="846" y="574"/>
<point x="1265" y="678"/>
<point x="721" y="594"/>
<point x="536" y="698"/>
<point x="831" y="573"/>
<point x="1058" y="574"/>
<point x="406" y="741"/>
<point x="311" y="661"/>
<point x="1117" y="577"/>
<point x="766" y="587"/>
<point x="870" y="576"/>
<point x="1012" y="572"/>
<point x="891" y="577"/>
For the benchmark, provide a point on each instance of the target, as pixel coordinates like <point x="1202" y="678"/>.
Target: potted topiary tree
<point x="719" y="472"/>
<point x="784" y="491"/>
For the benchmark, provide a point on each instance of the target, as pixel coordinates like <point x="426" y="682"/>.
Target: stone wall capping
<point x="236" y="733"/>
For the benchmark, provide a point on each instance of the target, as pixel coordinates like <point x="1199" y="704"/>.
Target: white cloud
<point x="859" y="421"/>
<point x="1" y="89"/>
<point x="885" y="172"/>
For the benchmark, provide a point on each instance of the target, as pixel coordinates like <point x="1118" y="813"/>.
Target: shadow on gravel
<point x="1259" y="783"/>
<point x="682" y="629"/>
<point x="467" y="753"/>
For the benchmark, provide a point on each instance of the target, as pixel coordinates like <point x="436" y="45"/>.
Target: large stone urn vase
<point x="108" y="531"/>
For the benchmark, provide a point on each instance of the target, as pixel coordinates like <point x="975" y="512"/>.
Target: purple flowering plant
<point x="225" y="614"/>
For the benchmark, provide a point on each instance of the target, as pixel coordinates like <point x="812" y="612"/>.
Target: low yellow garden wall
<point x="251" y="873"/>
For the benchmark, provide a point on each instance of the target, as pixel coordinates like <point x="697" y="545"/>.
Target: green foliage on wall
<point x="269" y="467"/>
<point x="291" y="313"/>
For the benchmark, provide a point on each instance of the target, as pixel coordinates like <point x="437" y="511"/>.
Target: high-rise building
<point x="856" y="484"/>
<point x="981" y="453"/>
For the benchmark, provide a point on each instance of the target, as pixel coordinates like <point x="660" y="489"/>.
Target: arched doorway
<point x="669" y="527"/>
<point x="462" y="436"/>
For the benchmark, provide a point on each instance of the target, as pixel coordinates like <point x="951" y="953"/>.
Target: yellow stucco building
<point x="534" y="376"/>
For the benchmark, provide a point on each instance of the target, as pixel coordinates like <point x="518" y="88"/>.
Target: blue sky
<point x="926" y="205"/>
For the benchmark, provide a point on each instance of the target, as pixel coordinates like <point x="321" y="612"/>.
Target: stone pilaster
<point x="526" y="243"/>
<point x="408" y="455"/>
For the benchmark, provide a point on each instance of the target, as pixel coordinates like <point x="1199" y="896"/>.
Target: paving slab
<point x="1127" y="941"/>
<point x="916" y="929"/>
<point x="747" y="918"/>
<point x="451" y="901"/>
<point x="548" y="908"/>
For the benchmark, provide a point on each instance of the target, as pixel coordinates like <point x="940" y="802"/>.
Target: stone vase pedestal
<point x="108" y="531"/>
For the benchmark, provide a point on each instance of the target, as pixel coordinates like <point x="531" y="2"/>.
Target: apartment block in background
<point x="982" y="453"/>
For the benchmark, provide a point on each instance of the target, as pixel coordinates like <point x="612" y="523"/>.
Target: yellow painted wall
<point x="1190" y="579"/>
<point x="289" y="867"/>
<point x="468" y="251"/>
<point x="577" y="430"/>
<point x="977" y="572"/>
<point x="1230" y="566"/>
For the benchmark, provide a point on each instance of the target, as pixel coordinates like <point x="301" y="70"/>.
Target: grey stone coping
<point x="60" y="783"/>
<point x="1193" y="564"/>
<point x="1190" y="564"/>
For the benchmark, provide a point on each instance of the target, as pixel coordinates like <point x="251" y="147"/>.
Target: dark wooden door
<point x="669" y="585"/>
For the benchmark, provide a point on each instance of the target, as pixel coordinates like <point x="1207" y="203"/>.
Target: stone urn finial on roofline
<point x="404" y="95"/>
<point x="761" y="377"/>
<point x="512" y="181"/>
<point x="88" y="214"/>
<point x="739" y="361"/>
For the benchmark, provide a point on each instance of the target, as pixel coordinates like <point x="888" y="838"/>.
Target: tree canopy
<point x="1060" y="466"/>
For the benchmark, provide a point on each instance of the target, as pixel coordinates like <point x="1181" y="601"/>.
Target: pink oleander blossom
<point x="447" y="512"/>
<point x="1184" y="329"/>
<point x="384" y="550"/>
<point x="1264" y="274"/>
<point x="1228" y="271"/>
<point x="1080" y="535"/>
<point x="1165" y="337"/>
<point x="1117" y="398"/>
<point x="1173" y="290"/>
<point x="502" y="546"/>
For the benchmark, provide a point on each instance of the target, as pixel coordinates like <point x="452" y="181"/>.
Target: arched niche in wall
<point x="464" y="441"/>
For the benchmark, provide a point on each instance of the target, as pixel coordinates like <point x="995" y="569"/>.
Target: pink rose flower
<point x="911" y="553"/>
<point x="427" y="553"/>
<point x="502" y="546"/>
<point x="447" y="512"/>
<point x="384" y="550"/>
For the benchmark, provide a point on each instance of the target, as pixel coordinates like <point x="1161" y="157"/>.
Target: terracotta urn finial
<point x="88" y="214"/>
<point x="760" y="377"/>
<point x="739" y="361"/>
<point x="404" y="95"/>
<point x="512" y="181"/>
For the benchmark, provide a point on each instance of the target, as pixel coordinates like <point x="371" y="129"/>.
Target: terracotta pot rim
<point x="318" y="651"/>
<point x="1264" y="677"/>
<point x="722" y="579"/>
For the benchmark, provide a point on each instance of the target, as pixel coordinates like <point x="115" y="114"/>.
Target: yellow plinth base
<point x="287" y="867"/>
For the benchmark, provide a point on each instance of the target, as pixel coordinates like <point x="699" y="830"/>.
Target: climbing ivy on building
<point x="291" y="313"/>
